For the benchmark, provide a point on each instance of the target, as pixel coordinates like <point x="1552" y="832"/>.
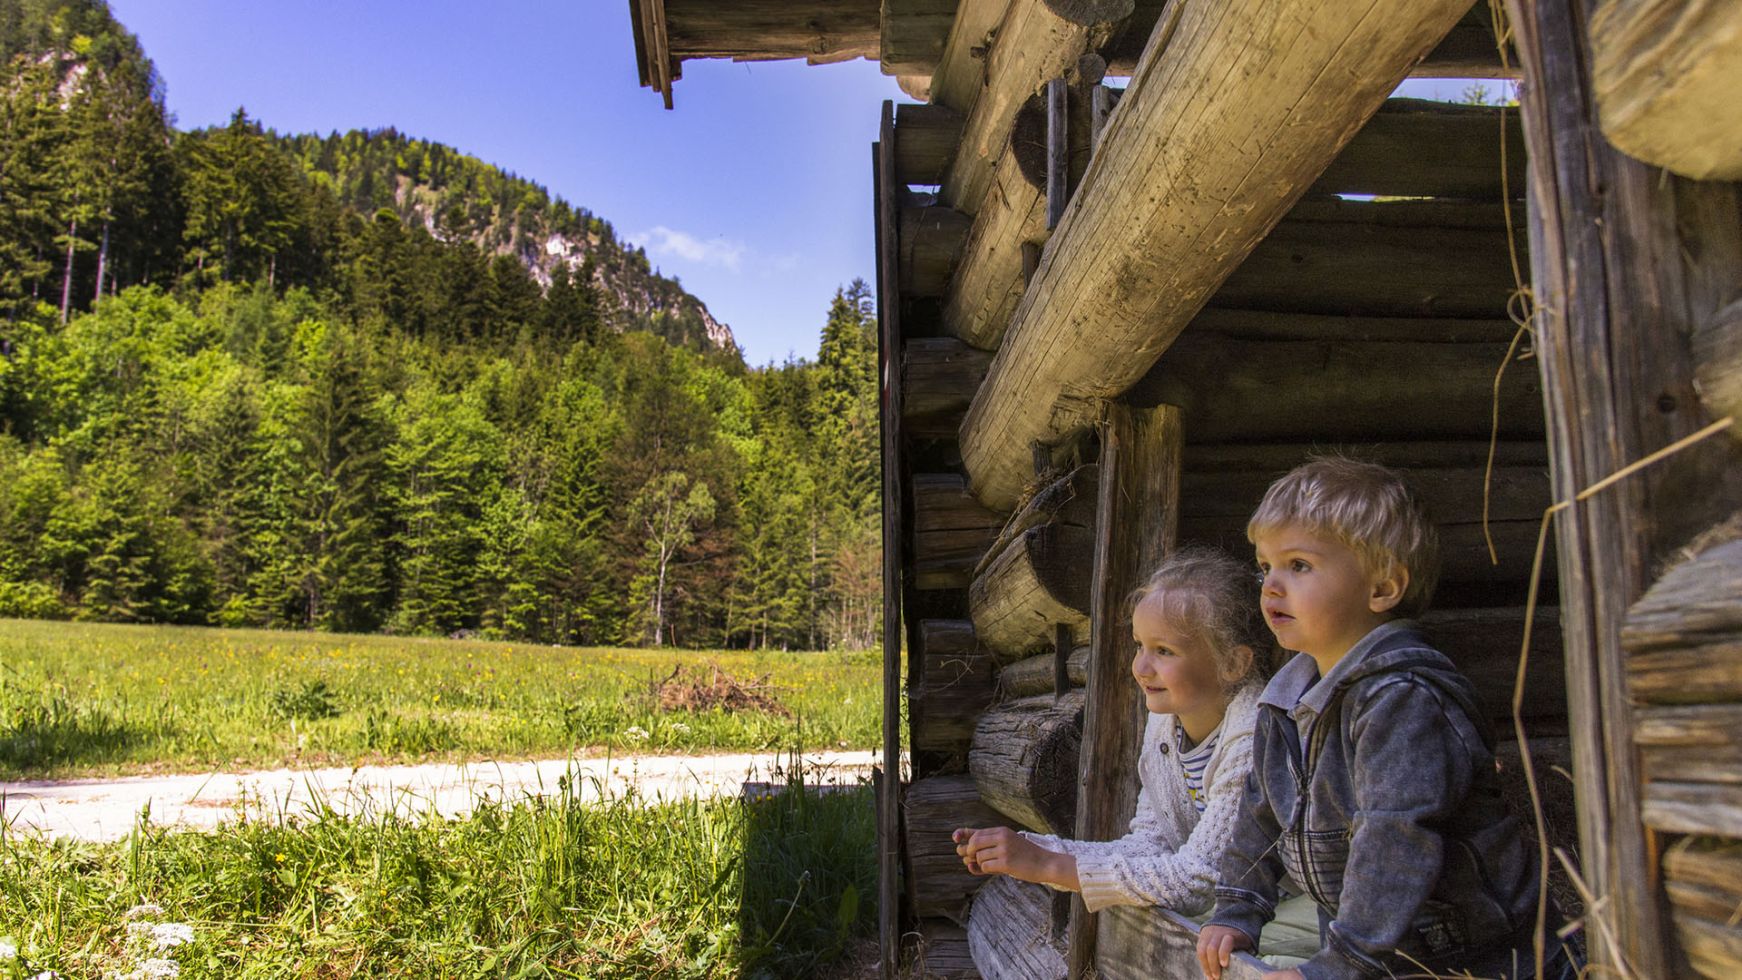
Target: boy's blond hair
<point x="1365" y="506"/>
<point x="1207" y="593"/>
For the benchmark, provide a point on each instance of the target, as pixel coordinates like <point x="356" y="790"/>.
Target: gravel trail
<point x="107" y="809"/>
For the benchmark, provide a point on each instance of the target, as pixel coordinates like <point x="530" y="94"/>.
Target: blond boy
<point x="1373" y="784"/>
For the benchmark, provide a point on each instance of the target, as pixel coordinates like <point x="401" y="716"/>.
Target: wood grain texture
<point x="1189" y="177"/>
<point x="1134" y="943"/>
<point x="926" y="138"/>
<point x="912" y="38"/>
<point x="1034" y="584"/>
<point x="931" y="242"/>
<point x="1691" y="743"/>
<point x="951" y="531"/>
<point x="889" y="844"/>
<point x="1068" y="500"/>
<point x="819" y="31"/>
<point x="961" y="72"/>
<point x="941" y="953"/>
<point x="1665" y="75"/>
<point x="938" y="884"/>
<point x="1034" y="675"/>
<point x="1024" y="760"/>
<point x="940" y="375"/>
<point x="1418" y="148"/>
<point x="957" y="681"/>
<point x="1011" y="932"/>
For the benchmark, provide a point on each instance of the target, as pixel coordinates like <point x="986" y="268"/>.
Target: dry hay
<point x="699" y="688"/>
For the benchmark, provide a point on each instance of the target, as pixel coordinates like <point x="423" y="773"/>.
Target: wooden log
<point x="938" y="884"/>
<point x="956" y="683"/>
<point x="1011" y="931"/>
<point x="819" y="31"/>
<point x="1295" y="325"/>
<point x="913" y="36"/>
<point x="1704" y="881"/>
<point x="1693" y="808"/>
<point x="1228" y="390"/>
<point x="1267" y="461"/>
<point x="1615" y="251"/>
<point x="1141" y="942"/>
<point x="1417" y="148"/>
<point x="931" y="241"/>
<point x="1012" y="219"/>
<point x="1069" y="500"/>
<point x="1034" y="584"/>
<point x="1684" y="636"/>
<point x="1190" y="175"/>
<point x="1485" y="644"/>
<point x="894" y="561"/>
<point x="939" y="375"/>
<point x="1665" y="74"/>
<point x="1699" y="743"/>
<point x="926" y="138"/>
<point x="1034" y="675"/>
<point x="1136" y="524"/>
<point x="1452" y="495"/>
<point x="1718" y="363"/>
<point x="941" y="952"/>
<point x="1363" y="258"/>
<point x="1024" y="760"/>
<point x="1058" y="150"/>
<point x="1036" y="40"/>
<point x="951" y="531"/>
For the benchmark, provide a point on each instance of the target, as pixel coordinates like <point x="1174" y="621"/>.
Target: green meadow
<point x="89" y="699"/>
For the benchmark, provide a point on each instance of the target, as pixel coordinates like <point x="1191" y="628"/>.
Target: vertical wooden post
<point x="1100" y="104"/>
<point x="889" y="381"/>
<point x="1061" y="660"/>
<point x="1136" y="520"/>
<point x="1615" y="303"/>
<point x="1058" y="151"/>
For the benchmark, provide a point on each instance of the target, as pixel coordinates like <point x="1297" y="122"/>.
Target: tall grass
<point x="776" y="887"/>
<point x="80" y="698"/>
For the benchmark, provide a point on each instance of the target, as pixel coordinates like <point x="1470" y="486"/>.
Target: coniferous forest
<point x="363" y="382"/>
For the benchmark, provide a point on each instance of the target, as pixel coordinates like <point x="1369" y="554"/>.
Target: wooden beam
<point x="1665" y="75"/>
<point x="819" y="31"/>
<point x="1033" y="585"/>
<point x="952" y="532"/>
<point x="1613" y="272"/>
<point x="889" y="844"/>
<point x="913" y="36"/>
<point x="939" y="375"/>
<point x="1142" y="942"/>
<point x="1068" y="500"/>
<point x="941" y="952"/>
<point x="1011" y="931"/>
<point x="1705" y="885"/>
<point x="1035" y="675"/>
<point x="938" y="884"/>
<point x="1417" y="148"/>
<point x="1718" y="360"/>
<point x="961" y="71"/>
<point x="1037" y="40"/>
<point x="956" y="684"/>
<point x="1136" y="521"/>
<point x="1058" y="150"/>
<point x="931" y="242"/>
<point x="1189" y="177"/>
<point x="926" y="142"/>
<point x="1024" y="760"/>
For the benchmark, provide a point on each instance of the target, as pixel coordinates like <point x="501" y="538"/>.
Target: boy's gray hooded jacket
<point x="1390" y="817"/>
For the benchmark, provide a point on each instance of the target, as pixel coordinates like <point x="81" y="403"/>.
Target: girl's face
<point x="1175" y="669"/>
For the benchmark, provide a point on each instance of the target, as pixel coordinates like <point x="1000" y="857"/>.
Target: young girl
<point x="1201" y="649"/>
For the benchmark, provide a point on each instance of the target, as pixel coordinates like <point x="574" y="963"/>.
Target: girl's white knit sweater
<point x="1169" y="858"/>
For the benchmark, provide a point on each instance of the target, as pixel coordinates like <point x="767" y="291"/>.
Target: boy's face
<point x="1317" y="596"/>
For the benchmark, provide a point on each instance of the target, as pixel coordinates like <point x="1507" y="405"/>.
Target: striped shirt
<point x="1193" y="759"/>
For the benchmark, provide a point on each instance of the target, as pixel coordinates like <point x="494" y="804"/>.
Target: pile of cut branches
<point x="698" y="688"/>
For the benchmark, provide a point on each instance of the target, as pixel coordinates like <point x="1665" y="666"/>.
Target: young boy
<point x="1373" y="784"/>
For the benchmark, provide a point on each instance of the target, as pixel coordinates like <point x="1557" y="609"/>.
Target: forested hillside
<point x="365" y="383"/>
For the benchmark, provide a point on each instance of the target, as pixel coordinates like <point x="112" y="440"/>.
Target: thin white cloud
<point x="662" y="241"/>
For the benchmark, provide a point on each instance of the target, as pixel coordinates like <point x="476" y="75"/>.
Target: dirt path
<point x="106" y="809"/>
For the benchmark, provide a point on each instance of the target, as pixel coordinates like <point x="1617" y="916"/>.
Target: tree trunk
<point x="66" y="291"/>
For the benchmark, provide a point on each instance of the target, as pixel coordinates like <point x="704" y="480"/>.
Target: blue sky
<point x="755" y="191"/>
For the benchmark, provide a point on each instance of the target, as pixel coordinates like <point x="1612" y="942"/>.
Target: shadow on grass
<point x="42" y="735"/>
<point x="810" y="877"/>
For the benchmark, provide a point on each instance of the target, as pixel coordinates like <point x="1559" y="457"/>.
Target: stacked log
<point x="1037" y="582"/>
<point x="1036" y="675"/>
<point x="1704" y="881"/>
<point x="1024" y="760"/>
<point x="954" y="685"/>
<point x="938" y="884"/>
<point x="952" y="532"/>
<point x="1014" y="932"/>
<point x="1140" y="942"/>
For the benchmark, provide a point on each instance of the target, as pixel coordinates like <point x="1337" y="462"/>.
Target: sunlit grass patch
<point x="776" y="887"/>
<point x="80" y="698"/>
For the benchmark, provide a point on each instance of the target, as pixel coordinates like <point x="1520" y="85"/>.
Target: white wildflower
<point x="8" y="951"/>
<point x="637" y="733"/>
<point x="139" y="928"/>
<point x="169" y="935"/>
<point x="680" y="728"/>
<point x="47" y="975"/>
<point x="147" y="910"/>
<point x="158" y="969"/>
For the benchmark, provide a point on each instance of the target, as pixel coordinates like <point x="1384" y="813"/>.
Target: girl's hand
<point x="1000" y="850"/>
<point x="1216" y="946"/>
<point x="1284" y="975"/>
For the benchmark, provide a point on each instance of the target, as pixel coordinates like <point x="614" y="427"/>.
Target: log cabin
<point x="1111" y="315"/>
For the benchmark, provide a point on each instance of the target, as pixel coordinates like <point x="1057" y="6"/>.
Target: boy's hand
<point x="1000" y="850"/>
<point x="1216" y="946"/>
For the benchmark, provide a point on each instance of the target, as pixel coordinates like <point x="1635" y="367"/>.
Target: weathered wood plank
<point x="956" y="683"/>
<point x="1690" y="743"/>
<point x="1034" y="584"/>
<point x="1713" y="948"/>
<point x="1694" y="808"/>
<point x="1011" y="932"/>
<point x="913" y="36"/>
<point x="1136" y="523"/>
<point x="1140" y="943"/>
<point x="1024" y="761"/>
<point x="1704" y="881"/>
<point x="931" y="242"/>
<point x="961" y="72"/>
<point x="926" y="142"/>
<point x="1068" y="500"/>
<point x="1034" y="675"/>
<point x="951" y="531"/>
<point x="1451" y="495"/>
<point x="1665" y="75"/>
<point x="1295" y="325"/>
<point x="819" y="31"/>
<point x="938" y="884"/>
<point x="1037" y="40"/>
<point x="1188" y="178"/>
<point x="1418" y="148"/>
<point x="889" y="844"/>
<point x="1228" y="388"/>
<point x="1469" y="50"/>
<point x="939" y="375"/>
<point x="1693" y="604"/>
<point x="941" y="952"/>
